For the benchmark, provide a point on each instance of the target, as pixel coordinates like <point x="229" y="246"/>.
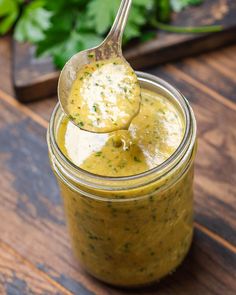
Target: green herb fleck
<point x="80" y="124"/>
<point x="126" y="247"/>
<point x="92" y="247"/>
<point x="109" y="204"/>
<point x="136" y="159"/>
<point x="95" y="108"/>
<point x="151" y="199"/>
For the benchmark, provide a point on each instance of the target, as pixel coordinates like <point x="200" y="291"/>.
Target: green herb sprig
<point x="63" y="27"/>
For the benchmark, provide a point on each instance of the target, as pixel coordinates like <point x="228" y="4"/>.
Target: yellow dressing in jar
<point x="105" y="96"/>
<point x="152" y="137"/>
<point x="129" y="207"/>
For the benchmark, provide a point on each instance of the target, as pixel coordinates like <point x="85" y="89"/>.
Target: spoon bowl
<point x="110" y="48"/>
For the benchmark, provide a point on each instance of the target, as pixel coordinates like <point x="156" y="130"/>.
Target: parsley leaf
<point x="63" y="27"/>
<point x="70" y="31"/>
<point x="146" y="4"/>
<point x="134" y="24"/>
<point x="138" y="17"/>
<point x="9" y="12"/>
<point x="34" y="20"/>
<point x="102" y="14"/>
<point x="163" y="10"/>
<point x="178" y="5"/>
<point x="62" y="45"/>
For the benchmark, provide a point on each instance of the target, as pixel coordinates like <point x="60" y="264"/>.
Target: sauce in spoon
<point x="105" y="96"/>
<point x="97" y="88"/>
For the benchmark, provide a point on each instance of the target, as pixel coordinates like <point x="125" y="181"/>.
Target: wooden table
<point x="35" y="252"/>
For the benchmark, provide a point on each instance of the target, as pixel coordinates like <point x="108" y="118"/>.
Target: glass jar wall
<point x="134" y="230"/>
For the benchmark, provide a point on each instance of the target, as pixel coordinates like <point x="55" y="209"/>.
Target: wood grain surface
<point x="35" y="78"/>
<point x="35" y="252"/>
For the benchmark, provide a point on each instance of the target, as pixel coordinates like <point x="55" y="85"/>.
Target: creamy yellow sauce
<point x="152" y="137"/>
<point x="105" y="96"/>
<point x="130" y="242"/>
<point x="135" y="242"/>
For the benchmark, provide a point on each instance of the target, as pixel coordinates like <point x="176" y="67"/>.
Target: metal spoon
<point x="109" y="48"/>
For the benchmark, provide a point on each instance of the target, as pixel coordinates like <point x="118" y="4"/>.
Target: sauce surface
<point x="105" y="96"/>
<point x="152" y="137"/>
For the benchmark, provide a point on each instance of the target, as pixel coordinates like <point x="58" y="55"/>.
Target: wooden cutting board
<point x="35" y="78"/>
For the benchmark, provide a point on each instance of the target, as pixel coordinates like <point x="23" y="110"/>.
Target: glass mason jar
<point x="134" y="230"/>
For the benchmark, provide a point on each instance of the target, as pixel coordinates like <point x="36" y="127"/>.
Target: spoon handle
<point x="112" y="45"/>
<point x="118" y="26"/>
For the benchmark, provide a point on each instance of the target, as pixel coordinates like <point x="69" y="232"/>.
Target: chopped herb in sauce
<point x="136" y="159"/>
<point x="95" y="108"/>
<point x="80" y="124"/>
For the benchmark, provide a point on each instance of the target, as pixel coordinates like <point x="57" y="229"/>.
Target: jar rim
<point x="186" y="143"/>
